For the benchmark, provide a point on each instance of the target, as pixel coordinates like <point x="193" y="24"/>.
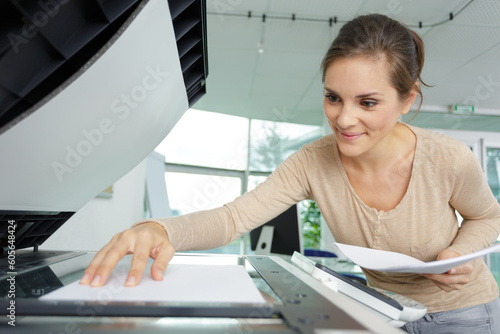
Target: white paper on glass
<point x="190" y="283"/>
<point x="380" y="260"/>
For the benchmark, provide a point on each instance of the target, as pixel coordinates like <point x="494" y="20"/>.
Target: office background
<point x="264" y="101"/>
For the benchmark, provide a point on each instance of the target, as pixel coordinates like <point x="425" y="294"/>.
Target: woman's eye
<point x="332" y="98"/>
<point x="368" y="104"/>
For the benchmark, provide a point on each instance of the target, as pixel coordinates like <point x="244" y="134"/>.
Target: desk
<point x="292" y="305"/>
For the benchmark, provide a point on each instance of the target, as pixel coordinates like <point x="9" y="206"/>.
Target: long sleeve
<point x="475" y="202"/>
<point x="287" y="185"/>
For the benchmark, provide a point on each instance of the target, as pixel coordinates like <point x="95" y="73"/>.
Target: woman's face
<point x="361" y="105"/>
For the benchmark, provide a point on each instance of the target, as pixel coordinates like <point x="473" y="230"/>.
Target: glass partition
<point x="493" y="170"/>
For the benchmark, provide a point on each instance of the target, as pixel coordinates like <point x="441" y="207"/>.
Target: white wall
<point x="96" y="222"/>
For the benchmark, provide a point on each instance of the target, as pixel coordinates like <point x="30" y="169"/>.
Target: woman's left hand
<point x="453" y="279"/>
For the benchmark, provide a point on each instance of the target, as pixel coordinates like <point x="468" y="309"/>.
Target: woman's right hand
<point x="144" y="241"/>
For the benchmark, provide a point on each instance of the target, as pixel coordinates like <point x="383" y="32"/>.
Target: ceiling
<point x="269" y="69"/>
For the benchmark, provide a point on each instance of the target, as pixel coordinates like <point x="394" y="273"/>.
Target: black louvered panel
<point x="10" y="23"/>
<point x="66" y="25"/>
<point x="31" y="228"/>
<point x="179" y="6"/>
<point x="189" y="19"/>
<point x="114" y="8"/>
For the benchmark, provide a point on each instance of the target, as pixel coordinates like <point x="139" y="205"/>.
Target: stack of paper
<point x="379" y="260"/>
<point x="181" y="283"/>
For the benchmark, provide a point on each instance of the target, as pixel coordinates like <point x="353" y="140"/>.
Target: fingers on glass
<point x="89" y="273"/>
<point x="100" y="268"/>
<point x="160" y="264"/>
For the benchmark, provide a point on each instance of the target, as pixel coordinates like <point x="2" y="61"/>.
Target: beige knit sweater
<point x="446" y="176"/>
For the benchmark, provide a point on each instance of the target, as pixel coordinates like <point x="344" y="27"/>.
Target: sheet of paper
<point x="379" y="260"/>
<point x="181" y="283"/>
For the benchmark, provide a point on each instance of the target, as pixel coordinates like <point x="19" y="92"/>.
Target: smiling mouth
<point x="350" y="136"/>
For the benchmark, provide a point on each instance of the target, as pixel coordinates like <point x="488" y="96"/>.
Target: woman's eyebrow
<point x="368" y="94"/>
<point x="330" y="91"/>
<point x="360" y="96"/>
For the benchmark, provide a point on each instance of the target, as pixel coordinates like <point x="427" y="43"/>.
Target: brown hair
<point x="377" y="35"/>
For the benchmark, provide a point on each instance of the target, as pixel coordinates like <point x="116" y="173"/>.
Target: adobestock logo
<point x="121" y="109"/>
<point x="75" y="155"/>
<point x="127" y="102"/>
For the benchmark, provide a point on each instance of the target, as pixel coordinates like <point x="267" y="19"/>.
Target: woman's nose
<point x="347" y="117"/>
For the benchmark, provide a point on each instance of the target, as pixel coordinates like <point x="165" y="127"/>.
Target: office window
<point x="495" y="266"/>
<point x="493" y="170"/>
<point x="207" y="158"/>
<point x="253" y="181"/>
<point x="208" y="139"/>
<point x="189" y="193"/>
<point x="493" y="177"/>
<point x="272" y="142"/>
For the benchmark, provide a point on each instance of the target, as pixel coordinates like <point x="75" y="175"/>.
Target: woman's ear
<point x="410" y="100"/>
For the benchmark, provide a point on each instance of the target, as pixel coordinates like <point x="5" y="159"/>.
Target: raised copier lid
<point x="88" y="89"/>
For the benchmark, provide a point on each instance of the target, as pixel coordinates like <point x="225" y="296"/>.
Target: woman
<point x="378" y="183"/>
